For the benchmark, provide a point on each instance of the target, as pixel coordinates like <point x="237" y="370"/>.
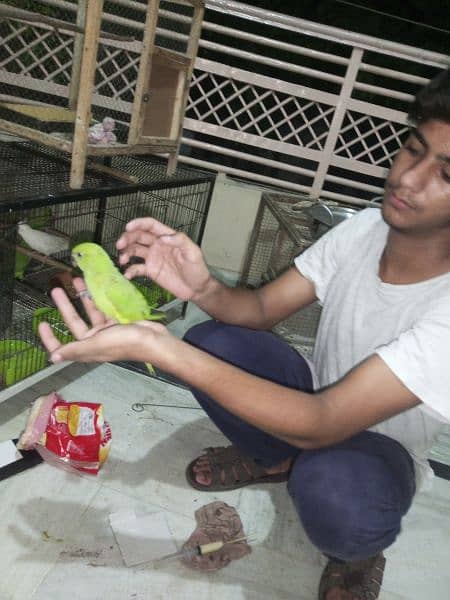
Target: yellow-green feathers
<point x="117" y="297"/>
<point x="113" y="294"/>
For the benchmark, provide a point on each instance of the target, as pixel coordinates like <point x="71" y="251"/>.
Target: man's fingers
<point x="136" y="271"/>
<point x="73" y="320"/>
<point x="95" y="316"/>
<point x="85" y="350"/>
<point x="129" y="238"/>
<point x="48" y="338"/>
<point x="133" y="251"/>
<point x="151" y="225"/>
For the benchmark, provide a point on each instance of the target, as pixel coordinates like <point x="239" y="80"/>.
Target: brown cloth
<point x="216" y="521"/>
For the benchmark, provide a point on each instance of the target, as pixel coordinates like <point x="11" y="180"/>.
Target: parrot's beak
<point x="74" y="260"/>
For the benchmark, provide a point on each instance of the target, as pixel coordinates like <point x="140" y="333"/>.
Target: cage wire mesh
<point x="37" y="60"/>
<point x="279" y="235"/>
<point x="35" y="190"/>
<point x="7" y="255"/>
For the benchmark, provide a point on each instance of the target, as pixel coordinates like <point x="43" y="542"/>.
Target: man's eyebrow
<point x="420" y="138"/>
<point x="416" y="133"/>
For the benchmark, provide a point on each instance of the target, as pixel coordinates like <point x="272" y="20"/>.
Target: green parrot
<point x="113" y="294"/>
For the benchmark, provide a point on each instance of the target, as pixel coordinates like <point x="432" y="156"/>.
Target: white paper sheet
<point x="8" y="453"/>
<point x="141" y="537"/>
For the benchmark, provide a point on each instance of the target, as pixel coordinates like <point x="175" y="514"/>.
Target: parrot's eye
<point x="78" y="254"/>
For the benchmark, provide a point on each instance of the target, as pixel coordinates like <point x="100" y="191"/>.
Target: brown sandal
<point x="362" y="579"/>
<point x="230" y="470"/>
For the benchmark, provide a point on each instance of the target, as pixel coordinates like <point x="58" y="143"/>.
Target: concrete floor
<point x="57" y="541"/>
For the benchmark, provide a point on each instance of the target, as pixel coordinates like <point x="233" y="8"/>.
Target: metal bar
<point x="247" y="157"/>
<point x="350" y="38"/>
<point x="269" y="181"/>
<point x="270" y="83"/>
<point x="338" y="117"/>
<point x="302" y="26"/>
<point x="253" y="140"/>
<point x="271" y="62"/>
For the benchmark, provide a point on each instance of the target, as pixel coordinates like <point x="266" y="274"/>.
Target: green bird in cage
<point x="116" y="296"/>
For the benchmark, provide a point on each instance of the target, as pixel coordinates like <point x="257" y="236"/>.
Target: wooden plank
<point x="83" y="112"/>
<point x="192" y="50"/>
<point x="98" y="167"/>
<point x="147" y="145"/>
<point x="170" y="58"/>
<point x="159" y="114"/>
<point x="42" y="113"/>
<point x="36" y="136"/>
<point x="142" y="91"/>
<point x="78" y="43"/>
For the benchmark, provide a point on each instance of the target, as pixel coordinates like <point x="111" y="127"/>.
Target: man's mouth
<point x="396" y="200"/>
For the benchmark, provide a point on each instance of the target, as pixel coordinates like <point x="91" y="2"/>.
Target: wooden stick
<point x="78" y="43"/>
<point x="44" y="259"/>
<point x="84" y="101"/>
<point x="142" y="91"/>
<point x="112" y="172"/>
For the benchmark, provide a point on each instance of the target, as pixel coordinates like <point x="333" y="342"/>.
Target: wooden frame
<point x="160" y="93"/>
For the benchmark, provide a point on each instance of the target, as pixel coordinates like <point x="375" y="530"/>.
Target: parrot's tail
<point x="150" y="368"/>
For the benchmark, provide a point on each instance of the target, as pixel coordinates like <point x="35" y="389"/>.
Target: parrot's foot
<point x="150" y="368"/>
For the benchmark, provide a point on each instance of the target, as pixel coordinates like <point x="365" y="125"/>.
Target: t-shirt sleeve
<point x="321" y="260"/>
<point x="419" y="357"/>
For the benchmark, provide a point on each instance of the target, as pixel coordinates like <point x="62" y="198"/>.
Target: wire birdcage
<point x="35" y="190"/>
<point x="279" y="235"/>
<point x="7" y="256"/>
<point x="67" y="66"/>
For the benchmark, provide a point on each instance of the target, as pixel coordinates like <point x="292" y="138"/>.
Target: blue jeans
<point x="351" y="496"/>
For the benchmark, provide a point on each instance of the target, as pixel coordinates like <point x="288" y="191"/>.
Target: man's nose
<point x="416" y="175"/>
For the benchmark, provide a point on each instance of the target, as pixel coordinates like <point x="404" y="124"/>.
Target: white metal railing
<point x="275" y="99"/>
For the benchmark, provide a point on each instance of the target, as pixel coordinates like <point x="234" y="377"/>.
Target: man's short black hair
<point x="432" y="101"/>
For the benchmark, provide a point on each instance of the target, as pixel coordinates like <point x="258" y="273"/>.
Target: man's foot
<point x="359" y="580"/>
<point x="225" y="468"/>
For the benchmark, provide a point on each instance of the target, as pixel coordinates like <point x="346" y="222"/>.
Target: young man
<point x="354" y="450"/>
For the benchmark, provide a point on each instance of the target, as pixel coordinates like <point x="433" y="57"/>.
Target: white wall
<point x="230" y="221"/>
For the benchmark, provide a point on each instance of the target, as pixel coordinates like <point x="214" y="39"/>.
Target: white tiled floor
<point x="56" y="541"/>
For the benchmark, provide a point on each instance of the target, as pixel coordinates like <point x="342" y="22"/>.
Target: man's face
<point x="417" y="190"/>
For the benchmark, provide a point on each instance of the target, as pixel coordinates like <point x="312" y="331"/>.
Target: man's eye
<point x="412" y="149"/>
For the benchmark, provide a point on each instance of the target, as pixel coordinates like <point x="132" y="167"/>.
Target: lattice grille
<point x="369" y="139"/>
<point x="116" y="72"/>
<point x="42" y="53"/>
<point x="263" y="112"/>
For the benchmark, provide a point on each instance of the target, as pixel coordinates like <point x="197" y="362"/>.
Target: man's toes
<point x="203" y="477"/>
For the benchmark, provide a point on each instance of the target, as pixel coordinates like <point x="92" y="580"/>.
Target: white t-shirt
<point x="408" y="326"/>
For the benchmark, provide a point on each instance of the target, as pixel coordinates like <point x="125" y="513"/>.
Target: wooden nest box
<point x="64" y="72"/>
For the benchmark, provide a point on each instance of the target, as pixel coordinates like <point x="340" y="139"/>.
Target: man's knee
<point x="213" y="337"/>
<point x="338" y="512"/>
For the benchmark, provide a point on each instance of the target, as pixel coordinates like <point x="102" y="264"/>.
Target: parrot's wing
<point x="128" y="302"/>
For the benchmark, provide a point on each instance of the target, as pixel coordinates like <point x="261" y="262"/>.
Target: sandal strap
<point x="229" y="466"/>
<point x="361" y="579"/>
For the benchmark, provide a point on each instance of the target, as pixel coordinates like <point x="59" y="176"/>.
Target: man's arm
<point x="175" y="262"/>
<point x="367" y="395"/>
<point x="261" y="308"/>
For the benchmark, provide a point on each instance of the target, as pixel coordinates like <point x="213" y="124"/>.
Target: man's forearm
<point x="285" y="413"/>
<point x="236" y="306"/>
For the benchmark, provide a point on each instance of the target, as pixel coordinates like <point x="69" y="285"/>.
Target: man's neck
<point x="410" y="259"/>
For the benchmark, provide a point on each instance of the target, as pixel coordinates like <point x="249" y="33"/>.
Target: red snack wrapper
<point x="72" y="435"/>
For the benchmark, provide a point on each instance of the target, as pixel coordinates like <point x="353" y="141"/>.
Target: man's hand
<point x="102" y="341"/>
<point x="171" y="258"/>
